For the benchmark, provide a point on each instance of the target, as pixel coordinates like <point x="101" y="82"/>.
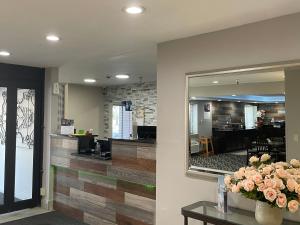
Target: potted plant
<point x="274" y="186"/>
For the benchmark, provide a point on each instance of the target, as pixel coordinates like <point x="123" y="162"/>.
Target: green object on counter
<point x="150" y="187"/>
<point x="81" y="132"/>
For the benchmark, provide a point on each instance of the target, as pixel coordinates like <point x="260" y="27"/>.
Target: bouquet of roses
<point x="277" y="184"/>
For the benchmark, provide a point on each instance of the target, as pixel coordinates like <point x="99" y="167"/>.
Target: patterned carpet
<point x="227" y="162"/>
<point x="52" y="218"/>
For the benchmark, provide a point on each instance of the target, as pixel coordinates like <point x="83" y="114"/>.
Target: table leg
<point x="186" y="222"/>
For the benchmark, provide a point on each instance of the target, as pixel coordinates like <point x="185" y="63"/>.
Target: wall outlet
<point x="42" y="191"/>
<point x="56" y="88"/>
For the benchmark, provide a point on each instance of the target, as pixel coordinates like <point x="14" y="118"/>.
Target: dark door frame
<point x="14" y="77"/>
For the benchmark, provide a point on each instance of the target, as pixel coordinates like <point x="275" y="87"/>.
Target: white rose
<point x="295" y="163"/>
<point x="265" y="157"/>
<point x="253" y="159"/>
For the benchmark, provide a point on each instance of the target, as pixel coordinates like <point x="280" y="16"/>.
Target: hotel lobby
<point x="147" y="112"/>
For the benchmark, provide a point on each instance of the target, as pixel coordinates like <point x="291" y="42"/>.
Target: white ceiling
<point x="98" y="39"/>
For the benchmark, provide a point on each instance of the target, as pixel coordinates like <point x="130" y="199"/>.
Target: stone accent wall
<point x="143" y="96"/>
<point x="61" y="105"/>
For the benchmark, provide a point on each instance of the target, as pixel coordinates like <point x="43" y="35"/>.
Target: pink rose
<point x="261" y="187"/>
<point x="239" y="175"/>
<point x="257" y="178"/>
<point x="235" y="188"/>
<point x="291" y="185"/>
<point x="282" y="173"/>
<point x="248" y="185"/>
<point x="297" y="189"/>
<point x="267" y="170"/>
<point x="281" y="200"/>
<point x="279" y="184"/>
<point x="293" y="206"/>
<point x="270" y="194"/>
<point x="270" y="183"/>
<point x="227" y="181"/>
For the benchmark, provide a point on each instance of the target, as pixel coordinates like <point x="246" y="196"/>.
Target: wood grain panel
<point x="62" y="189"/>
<point x="88" y="165"/>
<point x="125" y="220"/>
<point x="107" y="213"/>
<point x="146" y="152"/>
<point x="112" y="194"/>
<point x="135" y="213"/>
<point x="137" y="164"/>
<point x="68" y="210"/>
<point x="140" y="202"/>
<point x="124" y="150"/>
<point x="98" y="179"/>
<point x="137" y="189"/>
<point x="60" y="171"/>
<point x="135" y="176"/>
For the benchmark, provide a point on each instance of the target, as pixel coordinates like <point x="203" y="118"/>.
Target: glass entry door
<point x="3" y="108"/>
<point x="21" y="119"/>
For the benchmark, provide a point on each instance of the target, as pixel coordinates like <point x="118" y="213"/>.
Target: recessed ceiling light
<point x="134" y="10"/>
<point x="89" y="80"/>
<point x="219" y="100"/>
<point x="215" y="82"/>
<point x="122" y="76"/>
<point x="52" y="38"/>
<point x="4" y="53"/>
<point x="233" y="95"/>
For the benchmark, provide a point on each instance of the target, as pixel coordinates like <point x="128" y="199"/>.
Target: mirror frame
<point x="207" y="172"/>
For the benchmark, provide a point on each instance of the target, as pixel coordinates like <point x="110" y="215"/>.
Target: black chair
<point x="257" y="148"/>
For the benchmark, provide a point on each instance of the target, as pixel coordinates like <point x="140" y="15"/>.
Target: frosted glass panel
<point x="24" y="144"/>
<point x="3" y="107"/>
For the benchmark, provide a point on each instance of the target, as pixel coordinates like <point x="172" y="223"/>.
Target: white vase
<point x="267" y="215"/>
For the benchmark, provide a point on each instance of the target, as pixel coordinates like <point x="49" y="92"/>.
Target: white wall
<point x="265" y="42"/>
<point x="292" y="93"/>
<point x="50" y="126"/>
<point x="85" y="105"/>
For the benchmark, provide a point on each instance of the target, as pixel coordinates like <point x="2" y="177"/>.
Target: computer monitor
<point x="146" y="132"/>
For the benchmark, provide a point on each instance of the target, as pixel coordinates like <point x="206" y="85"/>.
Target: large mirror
<point x="233" y="116"/>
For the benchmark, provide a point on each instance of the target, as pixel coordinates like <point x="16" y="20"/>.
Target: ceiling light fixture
<point x="219" y="100"/>
<point x="134" y="10"/>
<point x="89" y="80"/>
<point x="233" y="95"/>
<point x="215" y="82"/>
<point x="4" y="53"/>
<point x="53" y="38"/>
<point x="122" y="76"/>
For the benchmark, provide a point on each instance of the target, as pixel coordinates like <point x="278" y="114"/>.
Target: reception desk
<point x="117" y="191"/>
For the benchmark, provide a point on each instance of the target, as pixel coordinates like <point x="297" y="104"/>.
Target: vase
<point x="268" y="215"/>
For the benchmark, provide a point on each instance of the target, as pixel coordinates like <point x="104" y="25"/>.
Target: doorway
<point x="21" y="128"/>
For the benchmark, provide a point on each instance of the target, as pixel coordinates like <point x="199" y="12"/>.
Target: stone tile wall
<point x="143" y="96"/>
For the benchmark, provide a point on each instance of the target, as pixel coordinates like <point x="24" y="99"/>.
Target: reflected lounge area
<point x="234" y="117"/>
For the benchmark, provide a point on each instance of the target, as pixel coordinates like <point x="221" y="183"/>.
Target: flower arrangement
<point x="277" y="184"/>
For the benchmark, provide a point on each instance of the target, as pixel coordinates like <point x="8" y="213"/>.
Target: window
<point x="121" y="122"/>
<point x="193" y="119"/>
<point x="250" y="116"/>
